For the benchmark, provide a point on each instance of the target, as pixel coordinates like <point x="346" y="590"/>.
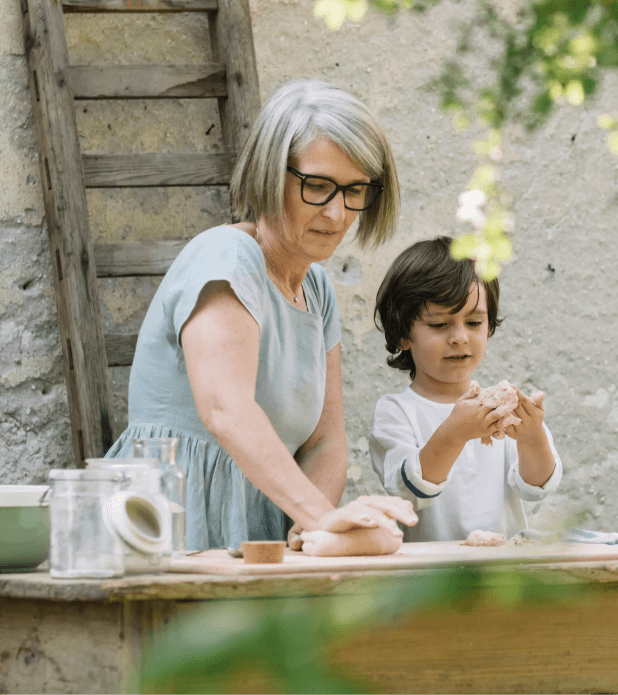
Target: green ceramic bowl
<point x="24" y="527"/>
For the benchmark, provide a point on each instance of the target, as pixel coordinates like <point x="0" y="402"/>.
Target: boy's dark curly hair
<point x="425" y="272"/>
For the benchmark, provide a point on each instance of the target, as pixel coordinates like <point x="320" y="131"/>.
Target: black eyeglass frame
<point x="343" y="189"/>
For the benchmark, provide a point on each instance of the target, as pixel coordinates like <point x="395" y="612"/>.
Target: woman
<point x="238" y="355"/>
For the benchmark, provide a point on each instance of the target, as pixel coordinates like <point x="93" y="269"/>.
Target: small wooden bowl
<point x="263" y="552"/>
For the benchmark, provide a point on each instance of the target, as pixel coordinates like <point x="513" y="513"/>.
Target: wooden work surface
<point x="215" y="575"/>
<point x="87" y="636"/>
<point x="410" y="556"/>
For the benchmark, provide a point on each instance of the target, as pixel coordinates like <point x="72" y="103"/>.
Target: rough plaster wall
<point x="560" y="325"/>
<point x="34" y="423"/>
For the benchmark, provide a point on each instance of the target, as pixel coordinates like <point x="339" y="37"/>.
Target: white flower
<point x="470" y="202"/>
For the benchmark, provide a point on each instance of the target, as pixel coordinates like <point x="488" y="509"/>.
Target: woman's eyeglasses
<point x="319" y="190"/>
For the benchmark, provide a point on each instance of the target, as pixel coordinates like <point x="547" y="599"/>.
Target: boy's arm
<point x="468" y="420"/>
<point x="536" y="458"/>
<point x="396" y="451"/>
<point x="394" y="441"/>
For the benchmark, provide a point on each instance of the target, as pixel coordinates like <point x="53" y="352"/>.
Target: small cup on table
<point x="263" y="552"/>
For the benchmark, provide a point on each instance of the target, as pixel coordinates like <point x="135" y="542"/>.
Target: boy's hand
<point x="471" y="420"/>
<point x="530" y="412"/>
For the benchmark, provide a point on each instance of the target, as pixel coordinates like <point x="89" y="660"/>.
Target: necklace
<point x="270" y="263"/>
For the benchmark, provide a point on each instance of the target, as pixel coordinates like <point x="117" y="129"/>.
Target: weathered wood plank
<point x="193" y="169"/>
<point x="232" y="43"/>
<point x="120" y="348"/>
<point x="140" y="5"/>
<point x="66" y="213"/>
<point x="137" y="258"/>
<point x="148" y="81"/>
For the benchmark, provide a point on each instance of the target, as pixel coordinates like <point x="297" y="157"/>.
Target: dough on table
<point x="362" y="541"/>
<point x="479" y="538"/>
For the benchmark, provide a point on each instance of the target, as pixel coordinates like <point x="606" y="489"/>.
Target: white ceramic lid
<point x="139" y="521"/>
<point x="23" y="495"/>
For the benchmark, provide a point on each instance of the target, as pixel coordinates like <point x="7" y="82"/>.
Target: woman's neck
<point x="284" y="268"/>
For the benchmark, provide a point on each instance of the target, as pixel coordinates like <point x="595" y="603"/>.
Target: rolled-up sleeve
<point x="394" y="449"/>
<point x="532" y="493"/>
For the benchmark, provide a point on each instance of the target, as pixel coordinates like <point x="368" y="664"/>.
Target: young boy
<point x="425" y="442"/>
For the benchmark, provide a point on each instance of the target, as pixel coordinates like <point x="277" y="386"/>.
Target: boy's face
<point x="447" y="348"/>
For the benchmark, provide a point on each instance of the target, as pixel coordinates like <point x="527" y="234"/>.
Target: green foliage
<point x="288" y="640"/>
<point x="555" y="48"/>
<point x="552" y="52"/>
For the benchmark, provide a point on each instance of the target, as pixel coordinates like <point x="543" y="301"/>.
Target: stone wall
<point x="560" y="295"/>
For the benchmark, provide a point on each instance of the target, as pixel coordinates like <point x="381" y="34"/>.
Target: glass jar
<point x="143" y="521"/>
<point x="82" y="543"/>
<point x="172" y="483"/>
<point x="141" y="474"/>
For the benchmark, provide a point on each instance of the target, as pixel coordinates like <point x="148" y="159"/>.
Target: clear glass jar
<point x="141" y="474"/>
<point x="151" y="551"/>
<point x="172" y="483"/>
<point x="82" y="543"/>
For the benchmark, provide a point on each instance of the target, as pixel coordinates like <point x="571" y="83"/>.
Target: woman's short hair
<point x="426" y="272"/>
<point x="293" y="118"/>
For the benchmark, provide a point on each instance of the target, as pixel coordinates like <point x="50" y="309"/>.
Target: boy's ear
<point x="404" y="344"/>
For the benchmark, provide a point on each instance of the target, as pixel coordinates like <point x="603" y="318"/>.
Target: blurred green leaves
<point x="288" y="640"/>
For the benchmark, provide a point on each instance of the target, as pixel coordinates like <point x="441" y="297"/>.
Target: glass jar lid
<point x="85" y="475"/>
<point x="124" y="464"/>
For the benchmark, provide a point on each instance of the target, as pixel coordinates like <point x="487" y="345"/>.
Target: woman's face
<point x="311" y="231"/>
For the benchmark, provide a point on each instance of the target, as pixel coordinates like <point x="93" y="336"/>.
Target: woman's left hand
<point x="294" y="537"/>
<point x="370" y="511"/>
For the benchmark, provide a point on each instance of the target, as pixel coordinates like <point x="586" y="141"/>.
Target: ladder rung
<point x="136" y="258"/>
<point x="140" y="5"/>
<point x="148" y="81"/>
<point x="127" y="170"/>
<point x="120" y="348"/>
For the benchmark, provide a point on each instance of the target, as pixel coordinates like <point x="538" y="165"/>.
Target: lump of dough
<point x="484" y="538"/>
<point x="362" y="541"/>
<point x="502" y="396"/>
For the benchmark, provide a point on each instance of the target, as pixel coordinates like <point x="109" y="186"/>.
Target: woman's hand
<point x="370" y="512"/>
<point x="365" y="541"/>
<point x="365" y="526"/>
<point x="294" y="537"/>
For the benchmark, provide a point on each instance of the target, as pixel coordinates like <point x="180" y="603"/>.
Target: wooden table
<point x="86" y="636"/>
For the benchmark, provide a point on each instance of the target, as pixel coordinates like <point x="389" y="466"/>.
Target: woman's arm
<point x="324" y="456"/>
<point x="220" y="343"/>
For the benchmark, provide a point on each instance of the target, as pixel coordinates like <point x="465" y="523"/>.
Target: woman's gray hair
<point x="293" y="118"/>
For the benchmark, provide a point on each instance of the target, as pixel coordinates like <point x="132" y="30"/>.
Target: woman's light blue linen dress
<point x="223" y="507"/>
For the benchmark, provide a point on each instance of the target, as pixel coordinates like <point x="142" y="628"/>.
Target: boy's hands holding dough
<point x="536" y="461"/>
<point x="530" y="412"/>
<point x="365" y="526"/>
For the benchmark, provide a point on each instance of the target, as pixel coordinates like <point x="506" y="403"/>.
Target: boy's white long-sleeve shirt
<point x="483" y="489"/>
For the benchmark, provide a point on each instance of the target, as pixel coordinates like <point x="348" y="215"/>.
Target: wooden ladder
<point x="231" y="78"/>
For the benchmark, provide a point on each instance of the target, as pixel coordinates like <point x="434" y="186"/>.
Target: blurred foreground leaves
<point x="288" y="640"/>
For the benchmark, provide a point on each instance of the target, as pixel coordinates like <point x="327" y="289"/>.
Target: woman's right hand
<point x="373" y="511"/>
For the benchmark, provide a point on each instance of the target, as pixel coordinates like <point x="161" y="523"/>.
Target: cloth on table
<point x="223" y="507"/>
<point x="574" y="535"/>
